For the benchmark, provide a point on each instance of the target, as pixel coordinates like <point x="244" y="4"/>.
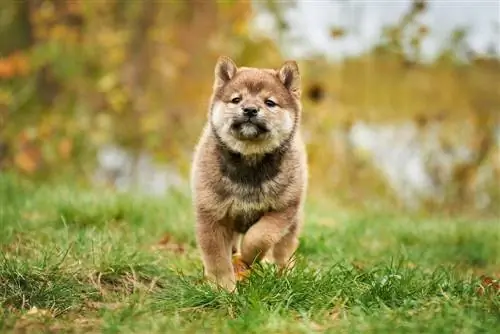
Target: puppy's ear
<point x="290" y="77"/>
<point x="225" y="69"/>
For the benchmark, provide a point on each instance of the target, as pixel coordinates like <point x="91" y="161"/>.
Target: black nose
<point x="250" y="111"/>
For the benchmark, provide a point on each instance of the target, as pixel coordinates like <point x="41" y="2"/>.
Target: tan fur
<point x="274" y="192"/>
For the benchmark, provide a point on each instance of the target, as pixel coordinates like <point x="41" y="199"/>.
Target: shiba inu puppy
<point x="249" y="171"/>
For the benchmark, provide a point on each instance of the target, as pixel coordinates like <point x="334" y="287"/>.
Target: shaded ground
<point x="73" y="260"/>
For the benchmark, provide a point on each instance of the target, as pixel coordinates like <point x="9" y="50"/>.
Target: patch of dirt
<point x="126" y="282"/>
<point x="37" y="320"/>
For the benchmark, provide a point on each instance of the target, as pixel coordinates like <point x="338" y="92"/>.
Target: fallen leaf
<point x="165" y="239"/>
<point x="169" y="244"/>
<point x="7" y="70"/>
<point x="359" y="265"/>
<point x="13" y="65"/>
<point x="487" y="280"/>
<point x="488" y="285"/>
<point x="241" y="270"/>
<point x="27" y="160"/>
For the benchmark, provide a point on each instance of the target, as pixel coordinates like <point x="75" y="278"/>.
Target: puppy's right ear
<point x="225" y="69"/>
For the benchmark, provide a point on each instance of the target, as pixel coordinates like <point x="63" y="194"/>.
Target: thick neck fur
<point x="250" y="170"/>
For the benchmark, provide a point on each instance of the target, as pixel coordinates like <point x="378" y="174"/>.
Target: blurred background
<point x="401" y="98"/>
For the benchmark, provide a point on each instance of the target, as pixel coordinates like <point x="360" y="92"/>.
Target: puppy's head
<point x="255" y="110"/>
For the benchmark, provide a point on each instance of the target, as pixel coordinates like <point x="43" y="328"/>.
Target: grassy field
<point x="75" y="260"/>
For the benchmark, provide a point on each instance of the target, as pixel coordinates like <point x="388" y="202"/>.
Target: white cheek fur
<point x="221" y="120"/>
<point x="218" y="114"/>
<point x="283" y="126"/>
<point x="287" y="123"/>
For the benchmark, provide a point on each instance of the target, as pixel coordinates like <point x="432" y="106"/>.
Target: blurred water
<point x="120" y="169"/>
<point x="311" y="21"/>
<point x="414" y="164"/>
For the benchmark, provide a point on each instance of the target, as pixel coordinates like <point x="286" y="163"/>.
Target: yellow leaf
<point x="25" y="161"/>
<point x="107" y="82"/>
<point x="65" y="147"/>
<point x="241" y="270"/>
<point x="337" y="33"/>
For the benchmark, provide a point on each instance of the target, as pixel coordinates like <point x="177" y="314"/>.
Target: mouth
<point x="249" y="129"/>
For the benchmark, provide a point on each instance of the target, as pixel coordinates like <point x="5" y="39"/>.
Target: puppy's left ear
<point x="289" y="75"/>
<point x="224" y="71"/>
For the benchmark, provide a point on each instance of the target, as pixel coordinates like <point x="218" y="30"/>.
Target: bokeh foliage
<point x="78" y="74"/>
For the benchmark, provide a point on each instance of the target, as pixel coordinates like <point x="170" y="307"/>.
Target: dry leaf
<point x="241" y="270"/>
<point x="488" y="285"/>
<point x="6" y="69"/>
<point x="65" y="147"/>
<point x="359" y="265"/>
<point x="27" y="160"/>
<point x="15" y="64"/>
<point x="165" y="240"/>
<point x="168" y="243"/>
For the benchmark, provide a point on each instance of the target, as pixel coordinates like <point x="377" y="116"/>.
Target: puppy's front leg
<point x="215" y="241"/>
<point x="264" y="234"/>
<point x="286" y="247"/>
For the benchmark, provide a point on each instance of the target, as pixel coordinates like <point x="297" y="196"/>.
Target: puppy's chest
<point x="246" y="206"/>
<point x="248" y="187"/>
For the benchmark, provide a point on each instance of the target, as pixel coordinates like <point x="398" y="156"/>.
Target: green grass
<point x="92" y="261"/>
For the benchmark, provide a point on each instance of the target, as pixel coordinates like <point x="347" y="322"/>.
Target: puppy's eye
<point x="270" y="103"/>
<point x="236" y="100"/>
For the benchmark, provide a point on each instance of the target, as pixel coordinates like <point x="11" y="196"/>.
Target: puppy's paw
<point x="226" y="282"/>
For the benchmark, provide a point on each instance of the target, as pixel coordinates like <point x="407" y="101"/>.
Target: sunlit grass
<point x="95" y="261"/>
